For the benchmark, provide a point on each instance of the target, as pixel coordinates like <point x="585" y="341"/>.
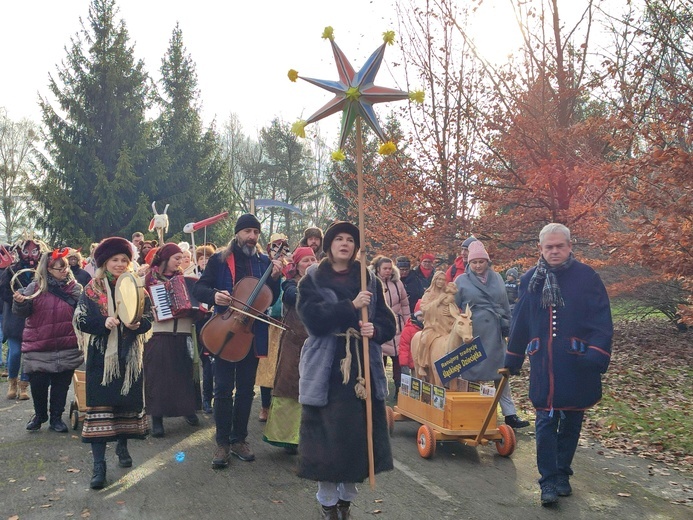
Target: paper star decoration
<point x="355" y="94"/>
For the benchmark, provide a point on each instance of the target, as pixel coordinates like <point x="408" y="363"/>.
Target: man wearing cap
<point x="459" y="266"/>
<point x="412" y="283"/>
<point x="313" y="237"/>
<point x="232" y="410"/>
<point x="425" y="270"/>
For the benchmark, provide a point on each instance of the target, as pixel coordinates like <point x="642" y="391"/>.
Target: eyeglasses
<point x="59" y="269"/>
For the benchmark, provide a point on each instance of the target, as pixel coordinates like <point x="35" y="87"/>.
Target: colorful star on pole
<point x="355" y="93"/>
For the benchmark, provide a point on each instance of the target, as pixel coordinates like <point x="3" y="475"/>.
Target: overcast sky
<point x="242" y="49"/>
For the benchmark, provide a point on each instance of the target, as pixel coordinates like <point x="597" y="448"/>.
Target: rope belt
<point x="345" y="364"/>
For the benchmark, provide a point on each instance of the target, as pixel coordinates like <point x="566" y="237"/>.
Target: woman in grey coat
<point x="483" y="290"/>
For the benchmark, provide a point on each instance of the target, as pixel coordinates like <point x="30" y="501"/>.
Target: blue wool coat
<point x="568" y="347"/>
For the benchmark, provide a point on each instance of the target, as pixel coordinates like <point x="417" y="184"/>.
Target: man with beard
<point x="224" y="268"/>
<point x="312" y="237"/>
<point x="29" y="253"/>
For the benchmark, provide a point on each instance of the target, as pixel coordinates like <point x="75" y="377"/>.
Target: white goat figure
<point x="160" y="223"/>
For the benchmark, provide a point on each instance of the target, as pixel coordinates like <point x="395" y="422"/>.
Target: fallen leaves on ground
<point x="646" y="409"/>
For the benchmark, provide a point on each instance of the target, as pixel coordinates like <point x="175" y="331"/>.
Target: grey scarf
<point x="550" y="292"/>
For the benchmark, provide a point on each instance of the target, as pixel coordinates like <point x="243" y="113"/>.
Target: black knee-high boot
<point x="98" y="451"/>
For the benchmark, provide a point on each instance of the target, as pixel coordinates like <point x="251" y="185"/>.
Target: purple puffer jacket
<point x="49" y="322"/>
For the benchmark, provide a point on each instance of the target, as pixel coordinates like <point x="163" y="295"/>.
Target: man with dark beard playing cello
<point x="224" y="269"/>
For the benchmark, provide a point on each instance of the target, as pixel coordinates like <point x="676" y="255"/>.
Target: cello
<point x="229" y="335"/>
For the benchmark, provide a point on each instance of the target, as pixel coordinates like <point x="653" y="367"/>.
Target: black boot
<point x="157" y="426"/>
<point x="57" y="424"/>
<point x="35" y="422"/>
<point x="343" y="510"/>
<point x="124" y="458"/>
<point x="98" y="479"/>
<point x="329" y="512"/>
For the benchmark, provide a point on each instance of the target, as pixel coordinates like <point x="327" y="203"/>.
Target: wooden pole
<point x="364" y="310"/>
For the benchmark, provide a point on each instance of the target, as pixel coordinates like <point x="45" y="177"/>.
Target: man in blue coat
<point x="224" y="269"/>
<point x="562" y="321"/>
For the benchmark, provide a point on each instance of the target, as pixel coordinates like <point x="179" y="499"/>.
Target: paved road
<point x="45" y="475"/>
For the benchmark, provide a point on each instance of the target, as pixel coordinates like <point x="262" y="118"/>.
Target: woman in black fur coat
<point x="333" y="442"/>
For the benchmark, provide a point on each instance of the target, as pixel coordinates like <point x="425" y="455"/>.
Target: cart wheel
<point x="506" y="445"/>
<point x="74" y="416"/>
<point x="390" y="419"/>
<point x="426" y="441"/>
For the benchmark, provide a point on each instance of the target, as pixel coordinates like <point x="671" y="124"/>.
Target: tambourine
<point x="15" y="279"/>
<point x="129" y="298"/>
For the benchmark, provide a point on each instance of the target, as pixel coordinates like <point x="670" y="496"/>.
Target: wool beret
<point x="109" y="247"/>
<point x="165" y="252"/>
<point x="245" y="221"/>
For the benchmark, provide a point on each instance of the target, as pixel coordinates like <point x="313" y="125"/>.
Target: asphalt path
<point x="45" y="475"/>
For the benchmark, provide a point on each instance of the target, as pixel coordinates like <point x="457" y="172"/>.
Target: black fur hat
<point x="341" y="226"/>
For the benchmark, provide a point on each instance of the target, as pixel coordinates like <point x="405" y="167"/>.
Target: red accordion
<point x="174" y="299"/>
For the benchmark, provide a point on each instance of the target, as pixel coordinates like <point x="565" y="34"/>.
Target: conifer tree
<point x="98" y="148"/>
<point x="191" y="155"/>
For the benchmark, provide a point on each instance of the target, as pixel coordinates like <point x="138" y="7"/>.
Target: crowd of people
<point x="305" y="349"/>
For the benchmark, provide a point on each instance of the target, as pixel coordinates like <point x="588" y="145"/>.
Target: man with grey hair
<point x="562" y="321"/>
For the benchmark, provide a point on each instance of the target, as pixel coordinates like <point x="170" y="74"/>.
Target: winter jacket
<point x="457" y="268"/>
<point x="333" y="438"/>
<point x="218" y="276"/>
<point x="292" y="339"/>
<point x="414" y="287"/>
<point x="12" y="324"/>
<point x="569" y="346"/>
<point x="491" y="319"/>
<point x="48" y="319"/>
<point x="411" y="327"/>
<point x="326" y="309"/>
<point x="397" y="299"/>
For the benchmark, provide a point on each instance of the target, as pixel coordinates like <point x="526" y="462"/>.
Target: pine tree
<point x="192" y="155"/>
<point x="98" y="149"/>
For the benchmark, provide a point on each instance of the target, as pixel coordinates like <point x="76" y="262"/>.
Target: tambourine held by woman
<point x="129" y="296"/>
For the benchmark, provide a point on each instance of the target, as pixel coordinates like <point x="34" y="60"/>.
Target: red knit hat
<point x="428" y="256"/>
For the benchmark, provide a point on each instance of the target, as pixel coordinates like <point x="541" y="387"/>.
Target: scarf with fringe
<point x="99" y="291"/>
<point x="550" y="292"/>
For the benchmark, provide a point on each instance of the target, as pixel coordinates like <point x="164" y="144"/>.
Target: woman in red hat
<point x="170" y="358"/>
<point x="115" y="398"/>
<point x="285" y="416"/>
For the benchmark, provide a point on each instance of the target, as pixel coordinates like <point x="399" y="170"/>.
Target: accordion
<point x="174" y="299"/>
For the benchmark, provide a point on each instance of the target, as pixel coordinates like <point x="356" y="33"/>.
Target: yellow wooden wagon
<point x="467" y="417"/>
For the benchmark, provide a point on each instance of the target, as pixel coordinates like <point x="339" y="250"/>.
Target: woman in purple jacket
<point x="49" y="346"/>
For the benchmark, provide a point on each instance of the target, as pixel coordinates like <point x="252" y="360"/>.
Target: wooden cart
<point x="78" y="406"/>
<point x="467" y="417"/>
